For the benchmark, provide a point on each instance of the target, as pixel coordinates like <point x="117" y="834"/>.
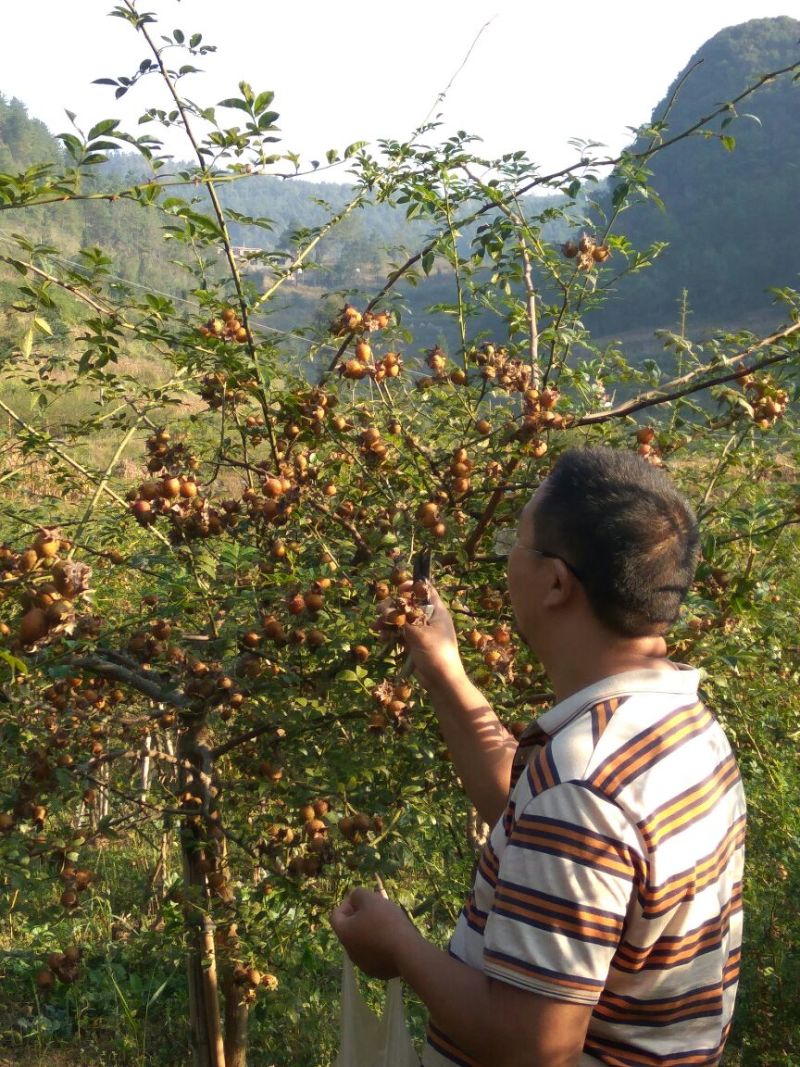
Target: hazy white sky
<point x="540" y="73"/>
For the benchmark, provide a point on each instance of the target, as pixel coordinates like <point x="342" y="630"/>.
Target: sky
<point x="539" y="73"/>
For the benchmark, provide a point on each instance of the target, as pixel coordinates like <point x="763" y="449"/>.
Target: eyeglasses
<point x="554" y="555"/>
<point x="505" y="540"/>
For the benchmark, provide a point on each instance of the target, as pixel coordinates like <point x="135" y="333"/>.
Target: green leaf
<point x="728" y="143"/>
<point x="234" y="101"/>
<point x="262" y="102"/>
<point x="102" y="128"/>
<point x="12" y="661"/>
<point x="27" y="344"/>
<point x="178" y="36"/>
<point x="43" y="325"/>
<point x="427" y="261"/>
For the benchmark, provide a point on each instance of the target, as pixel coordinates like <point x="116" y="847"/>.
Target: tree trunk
<point x="201" y="964"/>
<point x="236" y="1018"/>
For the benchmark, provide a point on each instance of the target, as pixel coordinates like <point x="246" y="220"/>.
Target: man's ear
<point x="562" y="587"/>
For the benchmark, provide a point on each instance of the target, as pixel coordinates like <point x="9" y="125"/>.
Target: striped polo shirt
<point x="614" y="877"/>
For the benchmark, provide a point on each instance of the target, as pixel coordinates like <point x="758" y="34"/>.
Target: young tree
<point x="187" y="611"/>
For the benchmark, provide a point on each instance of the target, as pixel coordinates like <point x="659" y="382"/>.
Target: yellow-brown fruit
<point x="28" y="560"/>
<point x="360" y="655"/>
<point x="316" y="639"/>
<point x="355" y="370"/>
<point x="273" y="628"/>
<point x="188" y="489"/>
<point x="33" y="626"/>
<point x="363" y="352"/>
<point x="314" y="602"/>
<point x="46" y="546"/>
<point x="171" y="487"/>
<point x="69" y="899"/>
<point x="321" y="807"/>
<point x="44" y="981"/>
<point x="315" y="826"/>
<point x="483" y="426"/>
<point x="428" y="513"/>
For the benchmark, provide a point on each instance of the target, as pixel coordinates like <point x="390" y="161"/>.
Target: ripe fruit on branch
<point x="33" y="626"/>
<point x="353" y="369"/>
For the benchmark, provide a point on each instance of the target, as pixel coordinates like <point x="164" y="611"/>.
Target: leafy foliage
<point x="205" y="743"/>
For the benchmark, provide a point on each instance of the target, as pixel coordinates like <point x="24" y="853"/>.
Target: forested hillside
<point x="729" y="221"/>
<point x="730" y="215"/>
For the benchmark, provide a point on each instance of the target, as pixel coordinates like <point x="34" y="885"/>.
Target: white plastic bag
<point x="367" y="1041"/>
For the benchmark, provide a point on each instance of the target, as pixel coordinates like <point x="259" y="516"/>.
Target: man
<point x="604" y="924"/>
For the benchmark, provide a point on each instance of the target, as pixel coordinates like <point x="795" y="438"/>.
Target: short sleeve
<point x="565" y="881"/>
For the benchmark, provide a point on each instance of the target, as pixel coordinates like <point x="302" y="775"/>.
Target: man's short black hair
<point x="627" y="531"/>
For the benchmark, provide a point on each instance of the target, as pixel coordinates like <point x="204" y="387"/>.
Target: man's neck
<point x="587" y="665"/>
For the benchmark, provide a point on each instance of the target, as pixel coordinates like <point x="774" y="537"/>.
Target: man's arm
<point x="494" y="1022"/>
<point x="481" y="747"/>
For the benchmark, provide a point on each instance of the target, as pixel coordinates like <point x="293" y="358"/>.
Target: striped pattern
<point x="649" y="747"/>
<point x="675" y="950"/>
<point x="590" y="925"/>
<point x="542" y="772"/>
<point x="658" y="900"/>
<point x="690" y="805"/>
<point x="556" y="837"/>
<point x="613" y="878"/>
<point x="619" y="1054"/>
<point x="600" y="716"/>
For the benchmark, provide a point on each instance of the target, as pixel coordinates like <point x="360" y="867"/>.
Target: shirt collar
<point x="681" y="682"/>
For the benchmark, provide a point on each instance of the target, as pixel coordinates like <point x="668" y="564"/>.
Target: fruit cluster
<point x="496" y="648"/>
<point x="64" y="966"/>
<point x="46" y="587"/>
<point x="225" y="327"/>
<point x="363" y="366"/>
<point x="219" y="388"/>
<point x="767" y="400"/>
<point x="393" y="704"/>
<point x="168" y="456"/>
<point x="458" y="473"/>
<point x="77" y="880"/>
<point x="648" y="447"/>
<point x="350" y="320"/>
<point x="586" y="251"/>
<point x="250" y="980"/>
<point x="499" y="367"/>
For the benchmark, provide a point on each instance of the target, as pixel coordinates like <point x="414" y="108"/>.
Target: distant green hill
<point x="732" y="218"/>
<point x="732" y="222"/>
